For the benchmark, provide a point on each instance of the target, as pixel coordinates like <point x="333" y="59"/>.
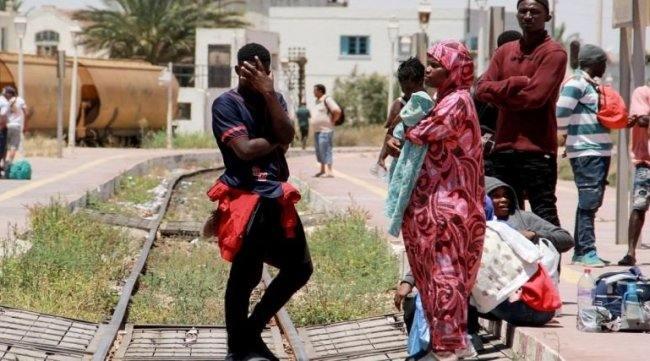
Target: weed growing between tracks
<point x="131" y="191"/>
<point x="190" y="202"/>
<point x="184" y="284"/>
<point x="73" y="268"/>
<point x="354" y="273"/>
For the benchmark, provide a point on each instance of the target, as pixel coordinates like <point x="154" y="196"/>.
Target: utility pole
<point x="60" y="74"/>
<point x="599" y="23"/>
<point x="468" y="19"/>
<point x="553" y="12"/>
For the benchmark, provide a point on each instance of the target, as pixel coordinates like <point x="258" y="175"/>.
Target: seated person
<point x="527" y="223"/>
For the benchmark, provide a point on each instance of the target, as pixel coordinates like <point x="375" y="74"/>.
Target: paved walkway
<point x="68" y="178"/>
<point x="354" y="185"/>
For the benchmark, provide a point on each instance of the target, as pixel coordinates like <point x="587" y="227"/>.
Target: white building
<point x="214" y="74"/>
<point x="340" y="40"/>
<point x="48" y="31"/>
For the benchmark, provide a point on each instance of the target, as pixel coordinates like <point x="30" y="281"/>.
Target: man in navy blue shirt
<point x="253" y="132"/>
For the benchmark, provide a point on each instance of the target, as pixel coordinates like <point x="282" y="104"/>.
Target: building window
<point x="184" y="111"/>
<point x="219" y="69"/>
<point x="47" y="36"/>
<point x="355" y="45"/>
<point x="47" y="43"/>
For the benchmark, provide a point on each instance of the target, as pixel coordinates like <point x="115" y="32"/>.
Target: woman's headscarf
<point x="454" y="57"/>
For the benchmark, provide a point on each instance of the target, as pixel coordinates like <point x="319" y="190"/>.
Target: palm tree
<point x="3" y="5"/>
<point x="158" y="31"/>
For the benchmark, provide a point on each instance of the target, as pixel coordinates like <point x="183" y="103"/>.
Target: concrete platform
<point x="81" y="170"/>
<point x="353" y="185"/>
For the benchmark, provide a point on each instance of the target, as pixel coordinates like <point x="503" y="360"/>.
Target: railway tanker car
<point x="119" y="100"/>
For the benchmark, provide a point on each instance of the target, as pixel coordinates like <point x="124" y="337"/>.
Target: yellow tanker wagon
<point x="118" y="99"/>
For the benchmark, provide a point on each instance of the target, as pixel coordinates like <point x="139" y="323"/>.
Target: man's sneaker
<point x="591" y="259"/>
<point x="627" y="261"/>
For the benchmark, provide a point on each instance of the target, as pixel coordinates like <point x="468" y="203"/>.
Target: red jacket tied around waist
<point x="234" y="211"/>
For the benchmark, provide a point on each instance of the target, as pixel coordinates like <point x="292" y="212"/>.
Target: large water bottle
<point x="586" y="287"/>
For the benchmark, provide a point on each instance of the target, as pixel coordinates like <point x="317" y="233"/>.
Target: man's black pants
<point x="533" y="175"/>
<point x="264" y="242"/>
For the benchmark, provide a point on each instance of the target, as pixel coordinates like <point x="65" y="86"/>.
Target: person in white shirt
<point x="323" y="117"/>
<point x="14" y="109"/>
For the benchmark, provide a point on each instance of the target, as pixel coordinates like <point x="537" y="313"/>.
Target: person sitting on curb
<point x="529" y="224"/>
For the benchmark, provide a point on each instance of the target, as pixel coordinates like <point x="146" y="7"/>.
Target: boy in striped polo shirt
<point x="588" y="146"/>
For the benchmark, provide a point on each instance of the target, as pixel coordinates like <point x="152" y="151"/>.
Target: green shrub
<point x="363" y="96"/>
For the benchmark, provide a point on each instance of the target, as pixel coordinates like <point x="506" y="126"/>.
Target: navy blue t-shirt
<point x="233" y="118"/>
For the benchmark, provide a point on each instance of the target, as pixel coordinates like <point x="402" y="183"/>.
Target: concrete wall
<point x="197" y="98"/>
<point x="236" y="38"/>
<point x="319" y="29"/>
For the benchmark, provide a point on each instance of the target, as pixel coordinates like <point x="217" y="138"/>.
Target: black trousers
<point x="3" y="143"/>
<point x="532" y="175"/>
<point x="264" y="242"/>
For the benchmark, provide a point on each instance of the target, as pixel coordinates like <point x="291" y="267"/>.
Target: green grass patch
<point x="184" y="284"/>
<point x="354" y="273"/>
<point x="190" y="202"/>
<point x="131" y="190"/>
<point x="72" y="269"/>
<point x="179" y="141"/>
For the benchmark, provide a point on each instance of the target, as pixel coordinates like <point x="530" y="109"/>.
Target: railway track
<point x="42" y="337"/>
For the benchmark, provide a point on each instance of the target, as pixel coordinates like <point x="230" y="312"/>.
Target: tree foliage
<point x="158" y="31"/>
<point x="363" y="96"/>
<point x="3" y="5"/>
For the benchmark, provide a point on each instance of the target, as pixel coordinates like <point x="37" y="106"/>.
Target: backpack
<point x="20" y="170"/>
<point x="612" y="112"/>
<point x="609" y="292"/>
<point x="341" y="119"/>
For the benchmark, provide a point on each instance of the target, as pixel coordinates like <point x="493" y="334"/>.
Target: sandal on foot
<point x="627" y="261"/>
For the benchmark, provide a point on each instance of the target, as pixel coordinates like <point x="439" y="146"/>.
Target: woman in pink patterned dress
<point x="444" y="223"/>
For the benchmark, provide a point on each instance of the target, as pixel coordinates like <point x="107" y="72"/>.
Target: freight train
<point x="119" y="100"/>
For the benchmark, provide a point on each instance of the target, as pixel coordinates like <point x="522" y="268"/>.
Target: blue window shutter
<point x="345" y="41"/>
<point x="354" y="45"/>
<point x="364" y="45"/>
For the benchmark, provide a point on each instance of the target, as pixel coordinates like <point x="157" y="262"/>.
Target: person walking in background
<point x="588" y="147"/>
<point x="325" y="114"/>
<point x="640" y="114"/>
<point x="303" y="116"/>
<point x="14" y="110"/>
<point x="444" y="222"/>
<point x="523" y="81"/>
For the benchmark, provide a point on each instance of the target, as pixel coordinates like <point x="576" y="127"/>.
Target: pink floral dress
<point x="444" y="223"/>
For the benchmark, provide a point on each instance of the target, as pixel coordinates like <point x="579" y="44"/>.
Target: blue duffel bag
<point x="612" y="286"/>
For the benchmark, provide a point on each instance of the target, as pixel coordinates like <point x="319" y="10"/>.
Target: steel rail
<point x="109" y="333"/>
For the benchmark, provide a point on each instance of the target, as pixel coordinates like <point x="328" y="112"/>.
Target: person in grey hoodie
<point x="529" y="224"/>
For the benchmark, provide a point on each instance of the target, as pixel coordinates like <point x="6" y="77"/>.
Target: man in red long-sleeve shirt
<point x="523" y="81"/>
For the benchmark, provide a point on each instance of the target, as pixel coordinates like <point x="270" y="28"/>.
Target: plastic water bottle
<point x="586" y="287"/>
<point x="631" y="307"/>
